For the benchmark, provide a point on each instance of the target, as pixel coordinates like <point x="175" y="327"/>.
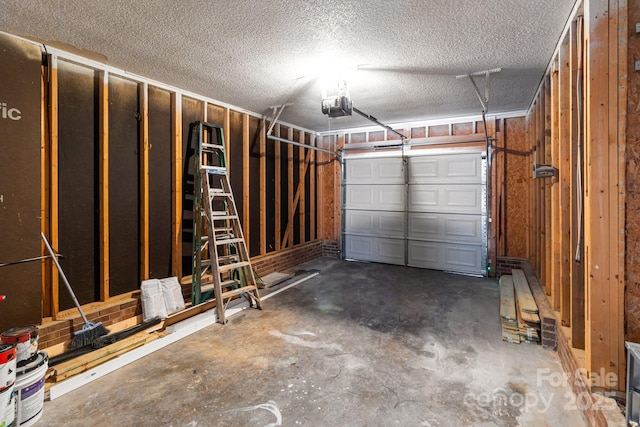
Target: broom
<point x="90" y="331"/>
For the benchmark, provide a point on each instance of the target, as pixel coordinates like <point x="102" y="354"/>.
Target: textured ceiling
<point x="258" y="53"/>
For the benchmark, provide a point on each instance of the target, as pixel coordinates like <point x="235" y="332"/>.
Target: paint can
<point x="25" y="338"/>
<point x="8" y="406"/>
<point x="30" y="390"/>
<point x="8" y="361"/>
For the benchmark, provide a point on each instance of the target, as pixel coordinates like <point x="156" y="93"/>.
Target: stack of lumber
<point x="518" y="310"/>
<point x="90" y="360"/>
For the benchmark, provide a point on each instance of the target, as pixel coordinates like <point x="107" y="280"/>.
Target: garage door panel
<point x="375" y="197"/>
<point x="379" y="249"/>
<point x="445" y="227"/>
<point x="435" y="220"/>
<point x="464" y="198"/>
<point x="378" y="171"/>
<point x="445" y="256"/>
<point x="446" y="169"/>
<point x="374" y="223"/>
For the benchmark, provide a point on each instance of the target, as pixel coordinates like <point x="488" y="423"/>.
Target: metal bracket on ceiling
<point x="277" y="110"/>
<point x="484" y="100"/>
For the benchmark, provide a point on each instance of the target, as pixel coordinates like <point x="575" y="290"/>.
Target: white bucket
<point x="25" y="338"/>
<point x="30" y="390"/>
<point x="8" y="406"/>
<point x="8" y="361"/>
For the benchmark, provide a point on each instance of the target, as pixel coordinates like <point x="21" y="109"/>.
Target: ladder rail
<point x="217" y="233"/>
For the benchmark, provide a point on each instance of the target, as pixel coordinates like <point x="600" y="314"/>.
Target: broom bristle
<point x="89" y="333"/>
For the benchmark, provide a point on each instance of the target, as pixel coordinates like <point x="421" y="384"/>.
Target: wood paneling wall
<point x="578" y="124"/>
<point x="112" y="193"/>
<point x="632" y="227"/>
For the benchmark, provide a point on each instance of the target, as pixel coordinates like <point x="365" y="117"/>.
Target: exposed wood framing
<point x="312" y="195"/>
<point x="103" y="135"/>
<point x="563" y="97"/>
<point x="548" y="254"/>
<point x="297" y="201"/>
<point x="143" y="97"/>
<point x="337" y="188"/>
<point x="499" y="196"/>
<point x="290" y="194"/>
<point x="576" y="268"/>
<point x="555" y="236"/>
<point x="53" y="178"/>
<point x="226" y="132"/>
<point x="278" y="192"/>
<point x="320" y="174"/>
<point x="493" y="239"/>
<point x="539" y="189"/>
<point x="604" y="189"/>
<point x="302" y="173"/>
<point x="45" y="161"/>
<point x="246" y="222"/>
<point x="531" y="254"/>
<point x="263" y="187"/>
<point x="176" y="183"/>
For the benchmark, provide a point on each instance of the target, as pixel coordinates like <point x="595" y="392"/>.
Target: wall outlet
<point x="637" y="27"/>
<point x="637" y="66"/>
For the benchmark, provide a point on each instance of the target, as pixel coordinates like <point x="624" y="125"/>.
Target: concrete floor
<point x="358" y="345"/>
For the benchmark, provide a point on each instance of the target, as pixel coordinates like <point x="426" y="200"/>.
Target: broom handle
<point x="64" y="278"/>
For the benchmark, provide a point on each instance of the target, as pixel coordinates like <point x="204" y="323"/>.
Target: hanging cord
<point x="579" y="101"/>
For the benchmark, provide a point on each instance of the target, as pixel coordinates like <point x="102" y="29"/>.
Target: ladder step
<point x="213" y="146"/>
<point x="234" y="292"/>
<point x="223" y="217"/>
<point x="228" y="283"/>
<point x="228" y="241"/>
<point x="228" y="258"/>
<point x="217" y="193"/>
<point x="218" y="170"/>
<point x="210" y="285"/>
<point x="228" y="267"/>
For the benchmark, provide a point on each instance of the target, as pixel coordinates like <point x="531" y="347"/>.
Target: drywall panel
<point x="20" y="182"/>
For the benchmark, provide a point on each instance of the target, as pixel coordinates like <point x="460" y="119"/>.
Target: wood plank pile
<point x="518" y="310"/>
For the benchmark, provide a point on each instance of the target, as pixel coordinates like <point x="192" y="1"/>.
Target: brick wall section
<point x="504" y="265"/>
<point x="331" y="249"/>
<point x="584" y="398"/>
<point x="549" y="333"/>
<point x="56" y="332"/>
<point x="287" y="258"/>
<point x="553" y="338"/>
<point x="59" y="331"/>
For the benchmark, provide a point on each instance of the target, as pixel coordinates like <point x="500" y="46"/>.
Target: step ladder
<point x="221" y="261"/>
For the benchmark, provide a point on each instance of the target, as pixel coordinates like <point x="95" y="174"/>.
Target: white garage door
<point x="428" y="212"/>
